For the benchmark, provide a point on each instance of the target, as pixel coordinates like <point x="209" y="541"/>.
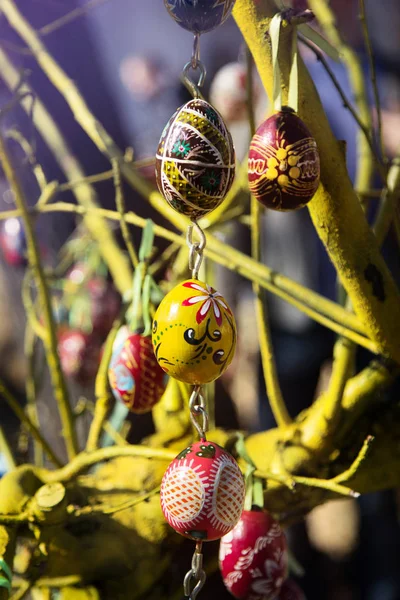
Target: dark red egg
<point x="105" y="305"/>
<point x="253" y="557"/>
<point x="283" y="163"/>
<point x="135" y="376"/>
<point x="202" y="492"/>
<point x="79" y="355"/>
<point x="291" y="591"/>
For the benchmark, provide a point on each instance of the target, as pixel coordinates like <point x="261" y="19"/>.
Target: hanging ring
<point x="191" y="86"/>
<point x="197" y="407"/>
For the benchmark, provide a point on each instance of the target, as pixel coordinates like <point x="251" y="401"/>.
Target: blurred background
<point x="126" y="57"/>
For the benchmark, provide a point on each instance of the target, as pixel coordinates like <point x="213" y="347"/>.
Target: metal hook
<point x="191" y="86"/>
<point x="195" y="248"/>
<point x="196" y="51"/>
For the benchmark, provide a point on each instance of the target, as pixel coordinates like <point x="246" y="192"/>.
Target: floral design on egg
<point x="194" y="333"/>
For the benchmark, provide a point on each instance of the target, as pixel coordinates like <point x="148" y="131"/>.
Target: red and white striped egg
<point x="202" y="492"/>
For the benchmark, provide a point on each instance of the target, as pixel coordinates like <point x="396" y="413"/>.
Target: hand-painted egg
<point x="195" y="161"/>
<point x="253" y="557"/>
<point x="202" y="492"/>
<point x="283" y="162"/>
<point x="194" y="333"/>
<point x="134" y="375"/>
<point x="79" y="355"/>
<point x="291" y="591"/>
<point x="199" y="16"/>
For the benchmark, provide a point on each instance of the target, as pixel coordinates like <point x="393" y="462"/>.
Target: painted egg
<point x="202" y="492"/>
<point x="195" y="161"/>
<point x="194" y="333"/>
<point x="291" y="591"/>
<point x="283" y="162"/>
<point x="134" y="375"/>
<point x="199" y="16"/>
<point x="253" y="557"/>
<point x="79" y="355"/>
<point x="13" y="242"/>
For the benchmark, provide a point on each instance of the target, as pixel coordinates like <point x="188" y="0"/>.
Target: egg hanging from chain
<point x="194" y="333"/>
<point x="134" y="375"/>
<point x="283" y="162"/>
<point x="202" y="492"/>
<point x="195" y="161"/>
<point x="199" y="16"/>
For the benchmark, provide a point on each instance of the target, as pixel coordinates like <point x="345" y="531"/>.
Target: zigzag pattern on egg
<point x="195" y="161"/>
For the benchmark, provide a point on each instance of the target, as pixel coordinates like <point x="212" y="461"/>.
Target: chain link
<point x="196" y="249"/>
<point x="197" y="407"/>
<point x="196" y="577"/>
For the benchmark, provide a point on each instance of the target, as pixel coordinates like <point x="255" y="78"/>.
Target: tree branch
<point x="335" y="209"/>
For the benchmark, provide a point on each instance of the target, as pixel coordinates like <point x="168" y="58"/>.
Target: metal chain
<point x="196" y="577"/>
<point x="196" y="249"/>
<point x="197" y="407"/>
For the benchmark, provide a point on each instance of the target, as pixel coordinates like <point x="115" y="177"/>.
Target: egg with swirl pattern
<point x="195" y="161"/>
<point x="283" y="163"/>
<point x="194" y="333"/>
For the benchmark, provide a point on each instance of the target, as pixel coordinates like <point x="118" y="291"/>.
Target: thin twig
<point x="31" y="389"/>
<point x="85" y="460"/>
<point x="372" y="70"/>
<point x="273" y="389"/>
<point x="30" y="154"/>
<point x="5" y="450"/>
<point x="84" y="193"/>
<point x="327" y="313"/>
<point x="69" y="17"/>
<point x="50" y="337"/>
<point x="120" y="204"/>
<point x="102" y="391"/>
<point x="19" y="412"/>
<point x="345" y="100"/>
<point x="110" y="510"/>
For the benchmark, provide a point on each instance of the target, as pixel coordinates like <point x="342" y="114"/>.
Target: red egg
<point x="105" y="305"/>
<point x="202" y="492"/>
<point x="79" y="355"/>
<point x="283" y="163"/>
<point x="291" y="591"/>
<point x="253" y="557"/>
<point x="135" y="377"/>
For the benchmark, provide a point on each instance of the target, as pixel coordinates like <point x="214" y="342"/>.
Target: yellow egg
<point x="194" y="333"/>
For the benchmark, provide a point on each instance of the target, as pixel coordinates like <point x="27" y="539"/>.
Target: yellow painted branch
<point x="84" y="192"/>
<point x="50" y="338"/>
<point x="311" y="303"/>
<point x="335" y="210"/>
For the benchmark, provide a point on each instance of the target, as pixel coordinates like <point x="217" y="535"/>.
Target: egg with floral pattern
<point x="134" y="375"/>
<point x="202" y="492"/>
<point x="194" y="333"/>
<point x="199" y="16"/>
<point x="283" y="165"/>
<point x="253" y="557"/>
<point x="195" y="160"/>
